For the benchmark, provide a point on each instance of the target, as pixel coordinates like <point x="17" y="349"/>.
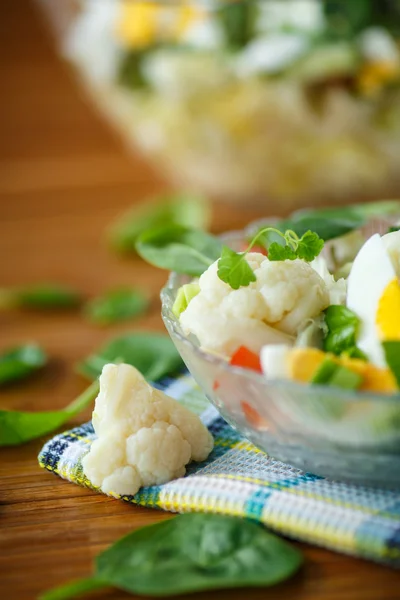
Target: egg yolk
<point x="388" y="313"/>
<point x="144" y="23"/>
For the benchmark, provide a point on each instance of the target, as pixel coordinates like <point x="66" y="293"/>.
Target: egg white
<point x="371" y="273"/>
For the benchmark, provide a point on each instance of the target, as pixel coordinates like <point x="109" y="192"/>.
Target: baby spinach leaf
<point x="330" y="223"/>
<point x="234" y="269"/>
<point x="392" y="354"/>
<point x="20" y="362"/>
<point x="190" y="553"/>
<point x="41" y="296"/>
<point x="179" y="249"/>
<point x="342" y="326"/>
<point x="17" y="427"/>
<point x="153" y="354"/>
<point x="183" y="209"/>
<point x="116" y="305"/>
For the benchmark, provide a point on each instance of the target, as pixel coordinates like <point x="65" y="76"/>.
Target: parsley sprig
<point x="234" y="270"/>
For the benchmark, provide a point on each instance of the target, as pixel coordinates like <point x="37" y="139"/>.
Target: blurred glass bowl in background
<point x="331" y="432"/>
<point x="281" y="102"/>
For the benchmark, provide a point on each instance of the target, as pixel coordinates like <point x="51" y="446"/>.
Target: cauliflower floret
<point x="337" y="289"/>
<point x="391" y="242"/>
<point x="143" y="436"/>
<point x="270" y="310"/>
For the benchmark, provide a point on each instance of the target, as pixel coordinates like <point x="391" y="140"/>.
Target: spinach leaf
<point x="17" y="427"/>
<point x="116" y="305"/>
<point x="153" y="354"/>
<point x="20" y="362"/>
<point x="180" y="209"/>
<point x="330" y="223"/>
<point x="42" y="296"/>
<point x="392" y="354"/>
<point x="179" y="249"/>
<point x="190" y="553"/>
<point x="342" y="326"/>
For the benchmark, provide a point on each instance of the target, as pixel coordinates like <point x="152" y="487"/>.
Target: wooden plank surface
<point x="63" y="177"/>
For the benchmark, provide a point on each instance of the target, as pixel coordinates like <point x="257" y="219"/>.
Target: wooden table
<point x="63" y="177"/>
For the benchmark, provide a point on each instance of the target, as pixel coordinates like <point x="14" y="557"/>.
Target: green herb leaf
<point x="277" y="252"/>
<point x="393" y="229"/>
<point x="234" y="269"/>
<point x="187" y="210"/>
<point x="185" y="294"/>
<point x="342" y="326"/>
<point x="310" y="246"/>
<point x="20" y="362"/>
<point x="392" y="354"/>
<point x="42" y="296"/>
<point x="191" y="553"/>
<point x="179" y="249"/>
<point x="153" y="354"/>
<point x="116" y="305"/>
<point x="17" y="427"/>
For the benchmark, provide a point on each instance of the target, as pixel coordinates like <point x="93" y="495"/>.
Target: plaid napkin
<point x="240" y="480"/>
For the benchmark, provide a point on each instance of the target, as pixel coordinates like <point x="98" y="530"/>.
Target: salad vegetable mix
<point x="295" y="100"/>
<point x="287" y="311"/>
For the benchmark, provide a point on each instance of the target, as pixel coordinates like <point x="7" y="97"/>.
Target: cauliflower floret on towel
<point x="143" y="436"/>
<point x="270" y="310"/>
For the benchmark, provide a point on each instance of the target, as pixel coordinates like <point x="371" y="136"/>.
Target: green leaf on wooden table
<point x="190" y="553"/>
<point x="41" y="296"/>
<point x="116" y="305"/>
<point x="153" y="354"/>
<point x="20" y="362"/>
<point x="180" y="249"/>
<point x="18" y="427"/>
<point x="183" y="209"/>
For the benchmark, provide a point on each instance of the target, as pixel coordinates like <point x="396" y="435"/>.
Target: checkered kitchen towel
<point x="238" y="479"/>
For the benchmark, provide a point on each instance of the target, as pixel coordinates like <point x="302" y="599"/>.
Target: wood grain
<point x="63" y="177"/>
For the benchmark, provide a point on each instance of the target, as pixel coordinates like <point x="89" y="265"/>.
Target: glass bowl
<point x="221" y="116"/>
<point x="350" y="436"/>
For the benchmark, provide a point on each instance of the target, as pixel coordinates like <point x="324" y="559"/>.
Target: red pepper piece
<point x="243" y="357"/>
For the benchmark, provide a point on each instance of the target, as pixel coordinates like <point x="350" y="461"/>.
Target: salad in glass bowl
<point x="284" y="102"/>
<point x="292" y="329"/>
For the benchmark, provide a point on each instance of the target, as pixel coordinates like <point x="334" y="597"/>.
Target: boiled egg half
<point x="373" y="294"/>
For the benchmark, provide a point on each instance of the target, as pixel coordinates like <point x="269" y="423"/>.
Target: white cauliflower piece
<point x="337" y="289"/>
<point x="270" y="310"/>
<point x="143" y="436"/>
